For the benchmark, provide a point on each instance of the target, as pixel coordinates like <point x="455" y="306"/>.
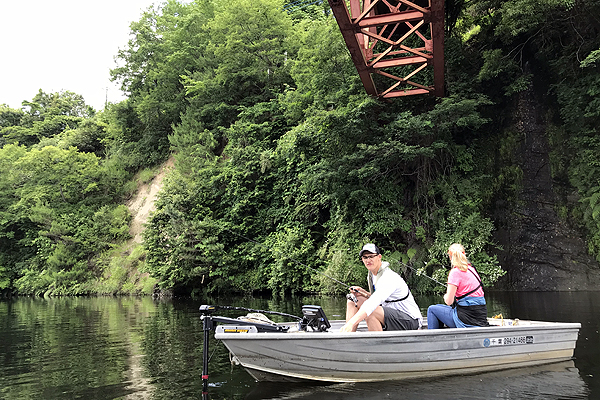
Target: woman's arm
<point x="450" y="293"/>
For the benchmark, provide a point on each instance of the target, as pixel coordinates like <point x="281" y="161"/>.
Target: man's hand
<point x="346" y="328"/>
<point x="353" y="322"/>
<point x="357" y="290"/>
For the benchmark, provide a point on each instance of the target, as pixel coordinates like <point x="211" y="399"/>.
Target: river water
<point x="140" y="348"/>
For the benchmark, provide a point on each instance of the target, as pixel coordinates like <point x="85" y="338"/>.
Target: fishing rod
<point x="296" y="261"/>
<point x="419" y="273"/>
<point x="256" y="311"/>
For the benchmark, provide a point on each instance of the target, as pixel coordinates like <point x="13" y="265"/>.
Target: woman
<point x="465" y="305"/>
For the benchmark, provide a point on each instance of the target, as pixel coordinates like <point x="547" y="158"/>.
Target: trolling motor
<point x="207" y="325"/>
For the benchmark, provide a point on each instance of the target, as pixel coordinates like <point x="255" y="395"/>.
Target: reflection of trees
<point x="70" y="346"/>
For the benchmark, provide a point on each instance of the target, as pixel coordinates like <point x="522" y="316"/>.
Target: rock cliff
<point x="541" y="251"/>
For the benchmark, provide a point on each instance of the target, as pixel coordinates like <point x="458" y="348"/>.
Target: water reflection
<point x="68" y="347"/>
<point x="553" y="381"/>
<point x="139" y="348"/>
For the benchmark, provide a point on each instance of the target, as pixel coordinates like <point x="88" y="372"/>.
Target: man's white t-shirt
<point x="389" y="285"/>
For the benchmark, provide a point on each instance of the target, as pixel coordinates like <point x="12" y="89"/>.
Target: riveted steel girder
<point x="399" y="41"/>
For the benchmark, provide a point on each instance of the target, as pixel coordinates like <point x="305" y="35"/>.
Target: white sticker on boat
<point x="507" y="341"/>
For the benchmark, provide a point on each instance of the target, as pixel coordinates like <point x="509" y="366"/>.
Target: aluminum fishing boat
<point x="314" y="349"/>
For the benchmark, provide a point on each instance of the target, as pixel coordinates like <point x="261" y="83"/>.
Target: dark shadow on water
<point x="551" y="381"/>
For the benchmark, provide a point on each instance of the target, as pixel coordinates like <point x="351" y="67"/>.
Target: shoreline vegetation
<point x="246" y="150"/>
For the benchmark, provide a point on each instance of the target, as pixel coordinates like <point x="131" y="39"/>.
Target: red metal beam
<point x="391" y="19"/>
<point x="356" y="52"/>
<point x="437" y="35"/>
<point x="377" y="33"/>
<point x="396" y="62"/>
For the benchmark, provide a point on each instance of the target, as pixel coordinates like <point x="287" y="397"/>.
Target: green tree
<point x="56" y="215"/>
<point x="323" y="73"/>
<point x="45" y="116"/>
<point x="168" y="42"/>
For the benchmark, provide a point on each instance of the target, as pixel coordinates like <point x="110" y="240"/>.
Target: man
<point x="388" y="305"/>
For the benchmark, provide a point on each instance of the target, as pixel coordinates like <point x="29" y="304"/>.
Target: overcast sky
<point x="57" y="45"/>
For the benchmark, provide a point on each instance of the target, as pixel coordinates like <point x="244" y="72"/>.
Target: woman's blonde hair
<point x="458" y="257"/>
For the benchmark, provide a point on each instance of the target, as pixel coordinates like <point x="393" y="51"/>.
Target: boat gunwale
<point x="493" y="330"/>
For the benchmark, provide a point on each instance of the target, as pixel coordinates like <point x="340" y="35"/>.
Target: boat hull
<point x="374" y="356"/>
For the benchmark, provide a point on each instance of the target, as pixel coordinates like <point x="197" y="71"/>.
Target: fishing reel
<point x="351" y="296"/>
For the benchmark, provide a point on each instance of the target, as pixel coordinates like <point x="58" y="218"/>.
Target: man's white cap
<point x="371" y="248"/>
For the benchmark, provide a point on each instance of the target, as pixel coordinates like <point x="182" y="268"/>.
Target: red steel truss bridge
<point x="395" y="44"/>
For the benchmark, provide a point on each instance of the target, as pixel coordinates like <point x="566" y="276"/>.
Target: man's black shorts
<point x="396" y="320"/>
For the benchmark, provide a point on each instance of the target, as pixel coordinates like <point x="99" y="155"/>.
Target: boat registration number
<point x="506" y="341"/>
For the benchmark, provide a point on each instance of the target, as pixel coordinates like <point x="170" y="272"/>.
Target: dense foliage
<point x="59" y="200"/>
<point x="284" y="167"/>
